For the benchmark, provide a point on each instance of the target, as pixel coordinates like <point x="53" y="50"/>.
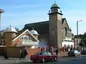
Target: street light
<point x="1" y="11"/>
<point x="77" y="30"/>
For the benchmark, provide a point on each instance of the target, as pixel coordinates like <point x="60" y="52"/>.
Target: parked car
<point x="83" y="52"/>
<point x="43" y="56"/>
<point x="74" y="53"/>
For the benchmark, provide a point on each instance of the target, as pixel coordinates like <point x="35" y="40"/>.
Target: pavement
<point x="63" y="53"/>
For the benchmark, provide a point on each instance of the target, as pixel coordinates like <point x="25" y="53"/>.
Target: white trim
<point x="29" y="33"/>
<point x="29" y="43"/>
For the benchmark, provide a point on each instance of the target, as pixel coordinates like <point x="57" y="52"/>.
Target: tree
<point x="83" y="40"/>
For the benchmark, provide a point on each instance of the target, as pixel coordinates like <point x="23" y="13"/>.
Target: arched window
<point x="65" y="31"/>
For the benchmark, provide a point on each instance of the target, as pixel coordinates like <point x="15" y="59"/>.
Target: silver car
<point x="74" y="53"/>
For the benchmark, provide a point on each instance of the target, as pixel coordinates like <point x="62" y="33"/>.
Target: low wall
<point x="13" y="52"/>
<point x="1" y="51"/>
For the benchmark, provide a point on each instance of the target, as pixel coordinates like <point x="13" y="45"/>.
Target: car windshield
<point x="47" y="53"/>
<point x="71" y="50"/>
<point x="43" y="53"/>
<point x="76" y="51"/>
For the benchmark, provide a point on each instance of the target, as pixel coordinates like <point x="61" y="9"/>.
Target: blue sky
<point x="20" y="12"/>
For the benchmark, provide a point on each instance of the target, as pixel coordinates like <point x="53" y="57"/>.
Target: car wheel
<point x="34" y="61"/>
<point x="55" y="59"/>
<point x="43" y="60"/>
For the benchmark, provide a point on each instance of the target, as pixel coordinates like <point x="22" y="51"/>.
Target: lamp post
<point x="1" y="11"/>
<point x="77" y="31"/>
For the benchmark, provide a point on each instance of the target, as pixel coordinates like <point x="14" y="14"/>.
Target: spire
<point x="10" y="26"/>
<point x="55" y="9"/>
<point x="54" y="1"/>
<point x="55" y="5"/>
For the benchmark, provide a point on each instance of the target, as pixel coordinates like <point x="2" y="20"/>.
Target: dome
<point x="34" y="32"/>
<point x="54" y="5"/>
<point x="10" y="29"/>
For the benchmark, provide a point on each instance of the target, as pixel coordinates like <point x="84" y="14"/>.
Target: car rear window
<point x="47" y="53"/>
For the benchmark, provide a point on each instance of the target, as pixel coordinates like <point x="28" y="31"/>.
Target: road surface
<point x="67" y="60"/>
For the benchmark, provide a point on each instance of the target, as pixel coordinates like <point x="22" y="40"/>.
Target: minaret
<point x="55" y="17"/>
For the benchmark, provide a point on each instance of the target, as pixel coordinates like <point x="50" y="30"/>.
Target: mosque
<point x="38" y="35"/>
<point x="55" y="30"/>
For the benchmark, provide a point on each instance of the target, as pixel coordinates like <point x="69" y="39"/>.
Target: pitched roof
<point x="25" y="32"/>
<point x="40" y="27"/>
<point x="64" y="20"/>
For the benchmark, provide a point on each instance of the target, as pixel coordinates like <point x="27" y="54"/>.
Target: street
<point x="68" y="60"/>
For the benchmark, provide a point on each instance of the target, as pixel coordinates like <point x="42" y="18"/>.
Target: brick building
<point x="54" y="30"/>
<point x="51" y="32"/>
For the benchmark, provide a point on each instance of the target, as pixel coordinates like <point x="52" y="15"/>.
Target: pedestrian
<point x="68" y="49"/>
<point x="5" y="55"/>
<point x="20" y="54"/>
<point x="23" y="53"/>
<point x="56" y="51"/>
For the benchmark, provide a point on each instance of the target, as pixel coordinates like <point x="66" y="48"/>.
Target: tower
<point x="9" y="34"/>
<point x="35" y="33"/>
<point x="55" y="18"/>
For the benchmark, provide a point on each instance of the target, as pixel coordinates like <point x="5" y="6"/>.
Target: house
<point x="15" y="41"/>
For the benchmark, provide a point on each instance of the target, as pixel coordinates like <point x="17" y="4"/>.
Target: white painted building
<point x="67" y="42"/>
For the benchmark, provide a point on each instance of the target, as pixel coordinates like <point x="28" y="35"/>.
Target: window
<point x="65" y="30"/>
<point x="24" y="38"/>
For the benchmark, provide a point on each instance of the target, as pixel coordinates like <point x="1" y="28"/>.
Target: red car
<point x="43" y="56"/>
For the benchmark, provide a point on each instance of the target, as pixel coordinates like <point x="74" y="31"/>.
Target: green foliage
<point x="83" y="40"/>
